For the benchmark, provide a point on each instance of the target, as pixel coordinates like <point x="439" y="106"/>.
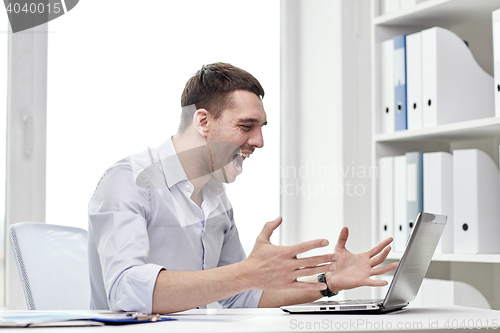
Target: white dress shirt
<point x="142" y="220"/>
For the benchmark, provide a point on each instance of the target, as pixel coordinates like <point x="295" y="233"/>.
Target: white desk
<point x="274" y="320"/>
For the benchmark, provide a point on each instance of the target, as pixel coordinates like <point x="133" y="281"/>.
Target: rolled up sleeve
<point x="118" y="214"/>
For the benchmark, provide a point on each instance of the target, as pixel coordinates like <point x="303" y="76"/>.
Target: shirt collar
<point x="172" y="167"/>
<point x="215" y="186"/>
<point x="174" y="172"/>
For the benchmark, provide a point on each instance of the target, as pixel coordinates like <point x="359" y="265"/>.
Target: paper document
<point x="72" y="318"/>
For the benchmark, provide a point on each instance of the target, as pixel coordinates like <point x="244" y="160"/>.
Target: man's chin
<point x="226" y="175"/>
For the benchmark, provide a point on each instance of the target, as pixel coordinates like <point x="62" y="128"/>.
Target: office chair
<point x="53" y="265"/>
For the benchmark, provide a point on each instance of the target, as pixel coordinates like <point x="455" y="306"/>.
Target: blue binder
<point x="400" y="82"/>
<point x="414" y="187"/>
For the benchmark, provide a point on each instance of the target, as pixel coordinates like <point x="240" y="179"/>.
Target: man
<point x="161" y="232"/>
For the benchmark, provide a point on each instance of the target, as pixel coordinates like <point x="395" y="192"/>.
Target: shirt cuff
<point x="134" y="289"/>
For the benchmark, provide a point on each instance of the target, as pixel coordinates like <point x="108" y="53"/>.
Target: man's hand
<point x="355" y="270"/>
<point x="272" y="267"/>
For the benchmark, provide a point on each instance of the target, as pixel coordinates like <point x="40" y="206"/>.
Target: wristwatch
<point x="327" y="291"/>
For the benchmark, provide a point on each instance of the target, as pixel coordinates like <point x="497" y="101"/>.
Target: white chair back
<point x="53" y="265"/>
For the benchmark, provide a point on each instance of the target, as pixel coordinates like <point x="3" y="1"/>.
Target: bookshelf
<point x="471" y="21"/>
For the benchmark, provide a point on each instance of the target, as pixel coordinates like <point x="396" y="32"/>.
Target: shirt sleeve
<point x="118" y="214"/>
<point x="232" y="252"/>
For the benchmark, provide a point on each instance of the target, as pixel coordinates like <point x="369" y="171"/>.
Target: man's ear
<point x="200" y="122"/>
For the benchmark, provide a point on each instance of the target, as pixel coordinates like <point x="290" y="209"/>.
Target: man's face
<point x="240" y="125"/>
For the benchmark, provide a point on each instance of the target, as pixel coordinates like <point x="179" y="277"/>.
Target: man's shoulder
<point x="128" y="169"/>
<point x="136" y="162"/>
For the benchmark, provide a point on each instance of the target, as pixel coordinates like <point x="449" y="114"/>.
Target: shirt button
<point x="188" y="186"/>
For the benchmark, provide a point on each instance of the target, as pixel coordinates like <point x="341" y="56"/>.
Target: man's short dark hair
<point x="211" y="87"/>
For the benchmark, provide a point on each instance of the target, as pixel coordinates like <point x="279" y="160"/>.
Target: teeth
<point x="245" y="155"/>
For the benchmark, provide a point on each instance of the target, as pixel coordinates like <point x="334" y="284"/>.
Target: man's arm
<point x="275" y="269"/>
<point x="277" y="298"/>
<point x="268" y="267"/>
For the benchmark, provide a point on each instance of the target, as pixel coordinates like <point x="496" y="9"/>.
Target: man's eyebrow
<point x="251" y="120"/>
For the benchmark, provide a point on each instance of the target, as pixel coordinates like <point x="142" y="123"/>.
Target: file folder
<point x="387" y="86"/>
<point x="400" y="82"/>
<point x="414" y="188"/>
<point x="496" y="57"/>
<point x="430" y="292"/>
<point x="455" y="87"/>
<point x="386" y="197"/>
<point x="414" y="76"/>
<point x="476" y="198"/>
<point x="438" y="193"/>
<point x="400" y="225"/>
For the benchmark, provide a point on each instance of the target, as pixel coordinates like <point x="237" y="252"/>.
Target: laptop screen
<point x="415" y="260"/>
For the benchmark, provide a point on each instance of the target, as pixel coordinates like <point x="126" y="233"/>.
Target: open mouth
<point x="238" y="159"/>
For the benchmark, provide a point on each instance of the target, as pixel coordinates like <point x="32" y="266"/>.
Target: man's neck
<point x="186" y="150"/>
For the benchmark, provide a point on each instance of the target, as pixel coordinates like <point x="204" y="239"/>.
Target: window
<point x="116" y="71"/>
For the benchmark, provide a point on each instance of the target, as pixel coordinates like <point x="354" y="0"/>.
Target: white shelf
<point x="478" y="128"/>
<point x="443" y="13"/>
<point x="471" y="20"/>
<point x="453" y="257"/>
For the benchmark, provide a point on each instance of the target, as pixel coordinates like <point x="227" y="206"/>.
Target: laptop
<point x="407" y="278"/>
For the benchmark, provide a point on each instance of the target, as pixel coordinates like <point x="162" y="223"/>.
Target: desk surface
<point x="274" y="320"/>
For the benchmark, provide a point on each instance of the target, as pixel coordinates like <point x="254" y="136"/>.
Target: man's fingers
<point x="344" y="234"/>
<point x="307" y="246"/>
<point x="380" y="258"/>
<point x="313" y="270"/>
<point x="316" y="260"/>
<point x="376" y="283"/>
<point x="308" y="285"/>
<point x="379" y="247"/>
<point x="269" y="227"/>
<point x="384" y="269"/>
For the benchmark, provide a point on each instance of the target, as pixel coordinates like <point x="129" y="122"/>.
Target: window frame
<point x="26" y="143"/>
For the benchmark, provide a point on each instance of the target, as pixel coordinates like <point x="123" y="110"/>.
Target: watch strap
<point x="327" y="292"/>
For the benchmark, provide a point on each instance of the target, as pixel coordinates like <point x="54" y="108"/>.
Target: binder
<point x="414" y="188"/>
<point x="476" y="198"/>
<point x="496" y="57"/>
<point x="390" y="6"/>
<point x="414" y="76"/>
<point x="438" y="193"/>
<point x="387" y="86"/>
<point x="386" y="197"/>
<point x="400" y="82"/>
<point x="400" y="225"/>
<point x="430" y="292"/>
<point x="455" y="87"/>
<point x="467" y="295"/>
<point x="448" y="293"/>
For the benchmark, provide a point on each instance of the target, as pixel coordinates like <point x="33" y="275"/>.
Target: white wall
<point x="116" y="72"/>
<point x="326" y="120"/>
<point x="311" y="119"/>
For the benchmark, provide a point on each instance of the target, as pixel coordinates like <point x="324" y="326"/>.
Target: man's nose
<point x="257" y="140"/>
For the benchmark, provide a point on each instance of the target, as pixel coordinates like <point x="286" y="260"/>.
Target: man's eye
<point x="246" y="127"/>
